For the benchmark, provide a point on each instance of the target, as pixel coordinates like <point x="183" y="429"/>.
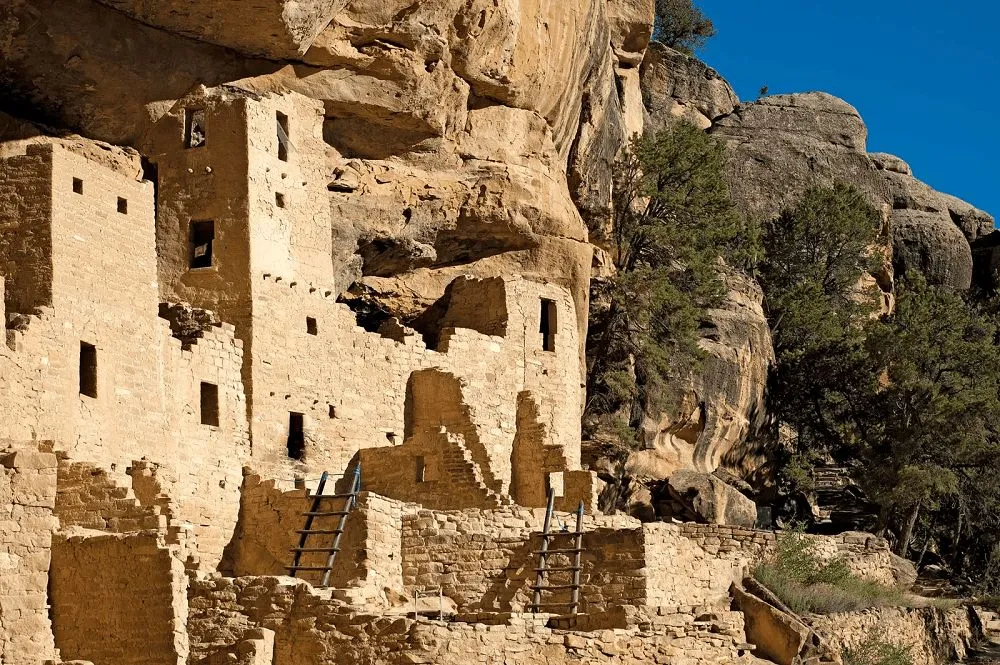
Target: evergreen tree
<point x="681" y="25"/>
<point x="674" y="220"/>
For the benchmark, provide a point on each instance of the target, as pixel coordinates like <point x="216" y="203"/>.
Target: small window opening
<point x="333" y="411"/>
<point x="421" y="469"/>
<point x="202" y="236"/>
<point x="279" y="199"/>
<point x="390" y="437"/>
<point x="122" y="205"/>
<point x="88" y="369"/>
<point x="548" y="324"/>
<point x="209" y="404"/>
<point x="77" y="186"/>
<point x="296" y="436"/>
<point x="311" y="326"/>
<point x="283" y="142"/>
<point x="194" y="128"/>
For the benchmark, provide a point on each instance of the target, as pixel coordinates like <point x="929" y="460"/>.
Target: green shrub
<point x="876" y="651"/>
<point x="808" y="585"/>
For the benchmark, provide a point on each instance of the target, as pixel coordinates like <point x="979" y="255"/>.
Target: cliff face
<point x="465" y="136"/>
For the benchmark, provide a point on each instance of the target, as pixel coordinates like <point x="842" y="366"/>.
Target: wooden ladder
<point x="543" y="569"/>
<point x="316" y="510"/>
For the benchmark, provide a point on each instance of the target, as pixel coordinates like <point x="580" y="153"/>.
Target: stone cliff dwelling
<point x="210" y="455"/>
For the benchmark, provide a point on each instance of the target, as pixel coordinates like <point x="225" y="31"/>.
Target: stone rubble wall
<point x="27" y="498"/>
<point x="937" y="636"/>
<point x="310" y="629"/>
<point x="118" y="599"/>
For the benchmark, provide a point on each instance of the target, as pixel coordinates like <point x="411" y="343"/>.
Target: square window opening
<point x="296" y="436"/>
<point x="122" y="205"/>
<point x="279" y="199"/>
<point x="209" y="404"/>
<point x="88" y="369"/>
<point x="421" y="469"/>
<point x="194" y="128"/>
<point x="77" y="186"/>
<point x="311" y="326"/>
<point x="548" y="324"/>
<point x="282" y="131"/>
<point x="201" y="238"/>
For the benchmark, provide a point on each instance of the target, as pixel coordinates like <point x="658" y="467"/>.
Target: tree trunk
<point x="904" y="540"/>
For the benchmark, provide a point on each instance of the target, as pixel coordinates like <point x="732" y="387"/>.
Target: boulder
<point x="779" y="146"/>
<point x="777" y="636"/>
<point x="708" y="499"/>
<point x="932" y="232"/>
<point x="678" y="86"/>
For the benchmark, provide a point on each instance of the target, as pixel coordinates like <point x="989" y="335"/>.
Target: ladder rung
<point x="326" y="513"/>
<point x="294" y="568"/>
<point x="330" y="496"/>
<point x="553" y="534"/>
<point x="320" y="531"/>
<point x="543" y="587"/>
<point x="572" y="551"/>
<point x="552" y="604"/>
<point x="314" y="549"/>
<point x="557" y="569"/>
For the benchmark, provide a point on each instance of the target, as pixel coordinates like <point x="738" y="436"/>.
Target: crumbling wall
<point x="144" y="399"/>
<point x="27" y="497"/>
<point x="312" y="630"/>
<point x="352" y="385"/>
<point x="118" y="599"/>
<point x="89" y="498"/>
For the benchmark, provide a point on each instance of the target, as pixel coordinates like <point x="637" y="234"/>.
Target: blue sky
<point x="923" y="74"/>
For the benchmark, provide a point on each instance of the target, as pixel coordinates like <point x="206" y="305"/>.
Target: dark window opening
<point x="548" y="324"/>
<point x="283" y="141"/>
<point x="421" y="469"/>
<point x="333" y="411"/>
<point x="122" y="205"/>
<point x="209" y="404"/>
<point x="311" y="326"/>
<point x="279" y="200"/>
<point x="88" y="369"/>
<point x="296" y="436"/>
<point x="77" y="186"/>
<point x="202" y="235"/>
<point x="194" y="128"/>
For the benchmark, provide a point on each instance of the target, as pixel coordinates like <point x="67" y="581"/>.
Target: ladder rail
<point x="349" y="504"/>
<point x="543" y="552"/>
<point x="308" y="525"/>
<point x="575" y="593"/>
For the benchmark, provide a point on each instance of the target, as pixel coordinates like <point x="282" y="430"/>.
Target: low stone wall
<point x="485" y="560"/>
<point x="937" y="636"/>
<point x="27" y="497"/>
<point x="311" y="630"/>
<point x="118" y="599"/>
<point x="369" y="563"/>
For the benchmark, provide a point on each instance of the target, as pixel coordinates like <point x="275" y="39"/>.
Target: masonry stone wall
<point x="369" y="563"/>
<point x="25" y="236"/>
<point x="118" y="599"/>
<point x="148" y="388"/>
<point x="311" y="629"/>
<point x="27" y="497"/>
<point x="356" y="389"/>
